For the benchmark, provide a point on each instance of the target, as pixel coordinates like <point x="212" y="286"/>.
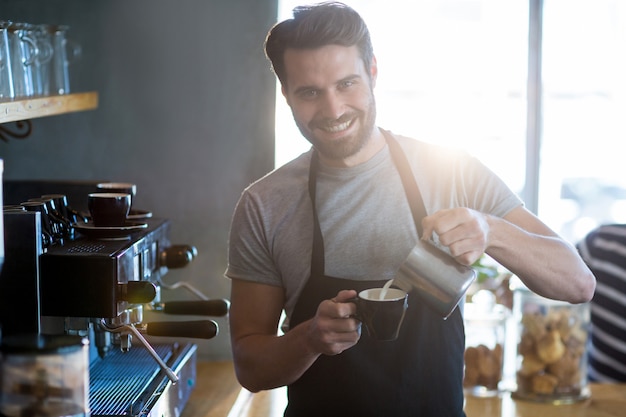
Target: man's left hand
<point x="464" y="231"/>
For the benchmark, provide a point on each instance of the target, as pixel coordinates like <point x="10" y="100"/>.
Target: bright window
<point x="582" y="181"/>
<point x="455" y="72"/>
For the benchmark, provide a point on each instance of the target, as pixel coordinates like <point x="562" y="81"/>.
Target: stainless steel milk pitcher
<point x="440" y="281"/>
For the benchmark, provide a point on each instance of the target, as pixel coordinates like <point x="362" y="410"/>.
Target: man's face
<point x="330" y="93"/>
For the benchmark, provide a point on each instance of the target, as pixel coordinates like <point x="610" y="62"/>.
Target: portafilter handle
<point x="200" y="329"/>
<point x="215" y="307"/>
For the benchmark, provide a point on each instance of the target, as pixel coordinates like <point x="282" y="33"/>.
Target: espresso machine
<point x="66" y="288"/>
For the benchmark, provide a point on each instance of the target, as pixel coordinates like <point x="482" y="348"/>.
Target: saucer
<point x="138" y="214"/>
<point x="90" y="230"/>
<point x="133" y="215"/>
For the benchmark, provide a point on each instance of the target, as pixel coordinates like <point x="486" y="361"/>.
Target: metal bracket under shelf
<point x="23" y="129"/>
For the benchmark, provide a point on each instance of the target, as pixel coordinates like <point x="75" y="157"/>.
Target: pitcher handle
<point x="34" y="50"/>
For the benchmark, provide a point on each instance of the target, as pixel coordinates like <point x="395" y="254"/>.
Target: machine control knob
<point x="137" y="292"/>
<point x="178" y="256"/>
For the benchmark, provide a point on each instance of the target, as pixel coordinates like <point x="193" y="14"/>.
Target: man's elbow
<point x="586" y="289"/>
<point x="247" y="380"/>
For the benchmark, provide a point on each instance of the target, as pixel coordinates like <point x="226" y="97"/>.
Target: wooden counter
<point x="607" y="400"/>
<point x="217" y="394"/>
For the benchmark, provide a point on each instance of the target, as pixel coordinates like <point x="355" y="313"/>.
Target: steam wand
<point x="183" y="284"/>
<point x="129" y="327"/>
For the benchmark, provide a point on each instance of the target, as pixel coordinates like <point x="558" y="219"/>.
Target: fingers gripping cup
<point x="109" y="209"/>
<point x="382" y="316"/>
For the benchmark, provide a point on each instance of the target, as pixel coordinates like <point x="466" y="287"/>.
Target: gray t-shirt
<point x="364" y="215"/>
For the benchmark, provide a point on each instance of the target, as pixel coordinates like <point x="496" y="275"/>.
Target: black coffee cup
<point x="382" y="316"/>
<point x="108" y="209"/>
<point x="47" y="232"/>
<point x="118" y="187"/>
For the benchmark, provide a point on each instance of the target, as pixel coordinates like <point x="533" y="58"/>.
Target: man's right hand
<point x="265" y="359"/>
<point x="334" y="327"/>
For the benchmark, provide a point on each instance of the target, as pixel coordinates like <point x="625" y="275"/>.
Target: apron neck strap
<point x="411" y="189"/>
<point x="317" y="256"/>
<point x="414" y="197"/>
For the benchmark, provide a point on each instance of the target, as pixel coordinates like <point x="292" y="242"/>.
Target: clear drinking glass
<point x="6" y="72"/>
<point x="23" y="50"/>
<point x="42" y="64"/>
<point x="63" y="52"/>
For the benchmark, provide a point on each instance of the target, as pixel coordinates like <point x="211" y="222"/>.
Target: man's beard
<point x="347" y="146"/>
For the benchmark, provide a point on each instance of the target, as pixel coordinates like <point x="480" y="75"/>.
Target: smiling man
<point x="331" y="96"/>
<point x="342" y="217"/>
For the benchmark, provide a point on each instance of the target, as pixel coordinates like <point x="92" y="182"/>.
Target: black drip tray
<point x="122" y="383"/>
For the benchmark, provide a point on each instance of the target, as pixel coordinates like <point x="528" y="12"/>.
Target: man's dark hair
<point x="329" y="23"/>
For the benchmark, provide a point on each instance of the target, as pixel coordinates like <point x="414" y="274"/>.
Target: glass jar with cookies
<point x="552" y="344"/>
<point x="485" y="336"/>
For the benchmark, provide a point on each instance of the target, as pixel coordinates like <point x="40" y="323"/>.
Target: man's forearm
<point x="264" y="361"/>
<point x="547" y="264"/>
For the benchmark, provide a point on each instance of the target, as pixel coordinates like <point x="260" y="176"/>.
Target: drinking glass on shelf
<point x="23" y="50"/>
<point x="55" y="77"/>
<point x="43" y="59"/>
<point x="6" y="74"/>
<point x="66" y="52"/>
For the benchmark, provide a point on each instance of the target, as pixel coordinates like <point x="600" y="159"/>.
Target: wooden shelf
<point x="31" y="108"/>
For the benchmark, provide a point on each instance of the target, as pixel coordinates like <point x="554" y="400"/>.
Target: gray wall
<point x="186" y="111"/>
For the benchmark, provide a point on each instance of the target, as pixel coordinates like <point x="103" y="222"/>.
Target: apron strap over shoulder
<point x="418" y="210"/>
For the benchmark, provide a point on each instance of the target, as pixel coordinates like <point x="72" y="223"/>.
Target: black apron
<point x="418" y="374"/>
